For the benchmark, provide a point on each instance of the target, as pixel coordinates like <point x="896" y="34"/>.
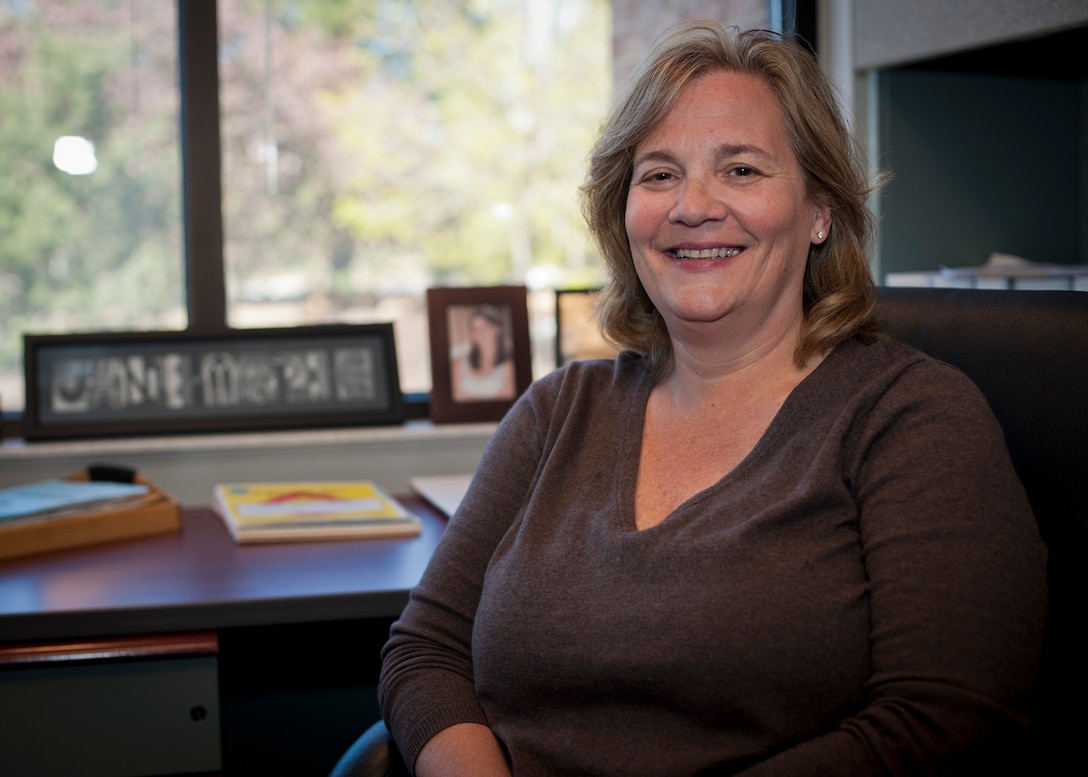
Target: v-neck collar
<point x="630" y="454"/>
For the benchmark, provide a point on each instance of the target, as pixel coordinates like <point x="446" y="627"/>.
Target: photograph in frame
<point x="577" y="335"/>
<point x="480" y="352"/>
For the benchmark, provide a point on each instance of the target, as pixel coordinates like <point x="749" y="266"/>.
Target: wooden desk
<point x="199" y="579"/>
<point x="299" y="625"/>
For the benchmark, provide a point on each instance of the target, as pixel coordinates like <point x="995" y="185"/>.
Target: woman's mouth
<point x="705" y="253"/>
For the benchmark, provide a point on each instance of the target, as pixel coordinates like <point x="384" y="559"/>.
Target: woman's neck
<point x="711" y="367"/>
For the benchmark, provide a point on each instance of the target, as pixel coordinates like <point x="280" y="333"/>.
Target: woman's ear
<point x="821" y="224"/>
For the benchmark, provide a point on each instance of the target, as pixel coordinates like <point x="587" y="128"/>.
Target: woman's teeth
<point x="706" y="253"/>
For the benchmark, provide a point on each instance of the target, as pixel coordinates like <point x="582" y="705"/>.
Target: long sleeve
<point x="957" y="591"/>
<point x="427" y="682"/>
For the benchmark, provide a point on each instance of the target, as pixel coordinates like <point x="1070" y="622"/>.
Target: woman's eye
<point x="657" y="177"/>
<point x="742" y="171"/>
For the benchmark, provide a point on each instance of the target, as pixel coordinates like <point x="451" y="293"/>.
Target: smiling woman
<point x="729" y="550"/>
<point x="720" y="226"/>
<point x="719" y="218"/>
<point x="838" y="288"/>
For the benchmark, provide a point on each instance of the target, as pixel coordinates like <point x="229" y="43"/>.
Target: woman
<point x="484" y="370"/>
<point x="762" y="541"/>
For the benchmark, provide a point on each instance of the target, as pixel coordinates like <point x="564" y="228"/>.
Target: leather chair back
<point x="1028" y="353"/>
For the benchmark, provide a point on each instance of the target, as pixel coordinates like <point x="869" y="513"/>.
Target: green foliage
<point x="445" y="140"/>
<point x="466" y="140"/>
<point x="100" y="251"/>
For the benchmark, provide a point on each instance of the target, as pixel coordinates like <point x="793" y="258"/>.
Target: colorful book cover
<point x="311" y="510"/>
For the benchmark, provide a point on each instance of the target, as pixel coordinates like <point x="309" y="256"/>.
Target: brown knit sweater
<point x="864" y="594"/>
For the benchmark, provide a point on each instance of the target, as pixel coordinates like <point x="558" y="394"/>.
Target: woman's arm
<point x="957" y="590"/>
<point x="462" y="750"/>
<point x="426" y="683"/>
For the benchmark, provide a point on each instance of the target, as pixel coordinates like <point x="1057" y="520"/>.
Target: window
<point x="368" y="149"/>
<point x="90" y="227"/>
<point x="373" y="149"/>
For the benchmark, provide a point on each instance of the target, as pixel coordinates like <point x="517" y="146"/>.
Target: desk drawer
<point x="126" y="717"/>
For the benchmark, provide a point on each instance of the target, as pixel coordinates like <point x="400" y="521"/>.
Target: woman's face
<point x="482" y="332"/>
<point x="717" y="215"/>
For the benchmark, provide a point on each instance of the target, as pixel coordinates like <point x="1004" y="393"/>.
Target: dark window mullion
<point x="200" y="155"/>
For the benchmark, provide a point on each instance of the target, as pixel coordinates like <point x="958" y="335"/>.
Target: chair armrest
<point x="374" y="754"/>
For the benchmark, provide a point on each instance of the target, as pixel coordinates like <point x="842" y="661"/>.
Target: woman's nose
<point x="698" y="201"/>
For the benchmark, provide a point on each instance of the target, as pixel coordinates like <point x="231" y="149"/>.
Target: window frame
<point x="202" y="216"/>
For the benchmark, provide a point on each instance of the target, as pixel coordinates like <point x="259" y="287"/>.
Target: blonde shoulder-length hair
<point x="839" y="293"/>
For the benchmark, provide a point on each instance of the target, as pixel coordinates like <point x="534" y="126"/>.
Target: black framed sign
<point x="109" y="384"/>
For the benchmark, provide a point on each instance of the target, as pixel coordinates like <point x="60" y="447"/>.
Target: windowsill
<point x="189" y="466"/>
<point x="412" y="432"/>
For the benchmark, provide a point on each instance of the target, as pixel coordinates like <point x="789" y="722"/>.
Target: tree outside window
<point x="370" y="149"/>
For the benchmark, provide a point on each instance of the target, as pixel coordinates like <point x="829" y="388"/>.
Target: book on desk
<point x="309" y="511"/>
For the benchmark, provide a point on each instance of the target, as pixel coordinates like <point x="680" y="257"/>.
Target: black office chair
<point x="374" y="754"/>
<point x="1028" y="353"/>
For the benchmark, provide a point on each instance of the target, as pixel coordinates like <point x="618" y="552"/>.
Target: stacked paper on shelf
<point x="78" y="511"/>
<point x="51" y="498"/>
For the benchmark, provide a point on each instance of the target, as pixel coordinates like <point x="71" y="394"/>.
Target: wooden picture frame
<point x="577" y="336"/>
<point x="466" y="384"/>
<point x="132" y="383"/>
